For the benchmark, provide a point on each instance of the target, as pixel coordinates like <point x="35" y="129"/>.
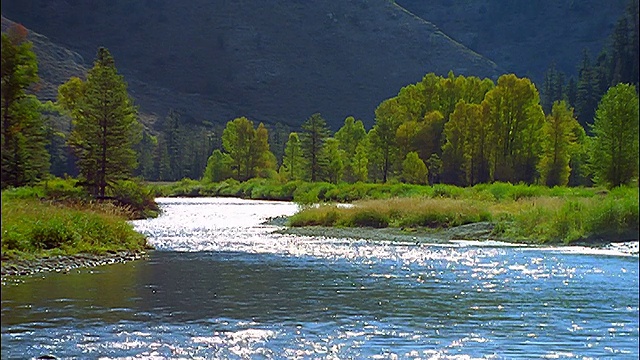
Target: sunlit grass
<point x="35" y="226"/>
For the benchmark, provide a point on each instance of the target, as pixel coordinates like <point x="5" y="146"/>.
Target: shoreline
<point x="65" y="263"/>
<point x="479" y="232"/>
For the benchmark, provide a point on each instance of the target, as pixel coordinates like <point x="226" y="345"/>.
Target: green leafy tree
<point x="314" y="133"/>
<point x="466" y="153"/>
<point x="293" y="162"/>
<point x="105" y="127"/>
<point x="263" y="161"/>
<point x="218" y="167"/>
<point x="414" y="170"/>
<point x="384" y="137"/>
<point x="349" y="136"/>
<point x="24" y="135"/>
<point x="237" y="140"/>
<point x="516" y="119"/>
<point x="333" y="157"/>
<point x="360" y="162"/>
<point x="559" y="138"/>
<point x="614" y="154"/>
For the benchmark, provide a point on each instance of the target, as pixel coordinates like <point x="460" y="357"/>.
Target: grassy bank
<point x="524" y="213"/>
<point x="564" y="218"/>
<point x="58" y="218"/>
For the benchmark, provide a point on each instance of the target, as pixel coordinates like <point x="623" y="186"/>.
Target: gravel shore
<point x="66" y="263"/>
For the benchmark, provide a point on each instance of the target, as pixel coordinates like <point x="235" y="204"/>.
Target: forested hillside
<point x="274" y="62"/>
<point x="525" y="37"/>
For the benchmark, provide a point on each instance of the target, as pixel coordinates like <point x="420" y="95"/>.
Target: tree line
<point x="453" y="129"/>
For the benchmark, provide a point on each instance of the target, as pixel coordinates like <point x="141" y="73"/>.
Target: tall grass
<point x="33" y="226"/>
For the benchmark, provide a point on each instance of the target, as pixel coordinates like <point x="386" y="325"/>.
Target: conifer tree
<point x="105" y="127"/>
<point x="312" y="138"/>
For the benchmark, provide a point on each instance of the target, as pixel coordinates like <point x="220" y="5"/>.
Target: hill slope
<point x="275" y="61"/>
<point x="525" y="36"/>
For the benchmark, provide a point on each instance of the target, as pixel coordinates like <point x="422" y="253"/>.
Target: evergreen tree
<point x="105" y="127"/>
<point x="146" y="149"/>
<point x="587" y="94"/>
<point x="24" y="135"/>
<point x="614" y="154"/>
<point x="314" y="133"/>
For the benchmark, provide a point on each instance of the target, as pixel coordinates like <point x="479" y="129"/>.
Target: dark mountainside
<point x="525" y="37"/>
<point x="213" y="61"/>
<point x="216" y="60"/>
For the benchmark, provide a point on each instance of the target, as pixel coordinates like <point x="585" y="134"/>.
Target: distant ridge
<point x="277" y="61"/>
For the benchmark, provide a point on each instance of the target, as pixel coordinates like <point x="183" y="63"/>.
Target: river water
<point x="221" y="284"/>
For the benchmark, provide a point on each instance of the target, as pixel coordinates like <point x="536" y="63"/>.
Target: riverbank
<point x="57" y="226"/>
<point x="477" y="232"/>
<point x="65" y="263"/>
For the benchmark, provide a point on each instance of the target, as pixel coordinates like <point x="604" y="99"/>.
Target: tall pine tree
<point x="105" y="127"/>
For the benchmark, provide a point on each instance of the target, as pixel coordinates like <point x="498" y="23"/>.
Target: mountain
<point x="275" y="61"/>
<point x="525" y="37"/>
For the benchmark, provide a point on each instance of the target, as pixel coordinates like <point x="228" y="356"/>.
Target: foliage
<point x="25" y="159"/>
<point x="38" y="227"/>
<point x="105" y="125"/>
<point x="559" y="137"/>
<point x="614" y="155"/>
<point x="218" y="167"/>
<point x="414" y="171"/>
<point x="314" y="133"/>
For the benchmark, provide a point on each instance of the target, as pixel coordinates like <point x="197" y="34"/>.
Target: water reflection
<point x="256" y="294"/>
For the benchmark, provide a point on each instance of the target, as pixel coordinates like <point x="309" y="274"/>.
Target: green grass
<point x="526" y="213"/>
<point x="33" y="227"/>
<point x="57" y="217"/>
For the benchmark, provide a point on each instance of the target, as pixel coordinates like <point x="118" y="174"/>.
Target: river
<point x="222" y="284"/>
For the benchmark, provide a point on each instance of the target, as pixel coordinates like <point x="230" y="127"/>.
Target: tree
<point x="384" y="136"/>
<point x="559" y="137"/>
<point x="333" y="156"/>
<point x="105" y="127"/>
<point x="314" y="133"/>
<point x="516" y="119"/>
<point x="614" y="154"/>
<point x="218" y="167"/>
<point x="263" y="162"/>
<point x="24" y="134"/>
<point x="237" y="140"/>
<point x="349" y="136"/>
<point x="292" y="162"/>
<point x="414" y="171"/>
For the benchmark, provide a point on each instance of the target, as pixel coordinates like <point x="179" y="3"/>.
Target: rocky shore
<point x="64" y="264"/>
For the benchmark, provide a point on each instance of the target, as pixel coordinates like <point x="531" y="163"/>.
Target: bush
<point x="368" y="218"/>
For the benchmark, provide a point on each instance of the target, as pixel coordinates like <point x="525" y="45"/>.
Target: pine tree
<point x="24" y="134"/>
<point x="105" y="127"/>
<point x="312" y="138"/>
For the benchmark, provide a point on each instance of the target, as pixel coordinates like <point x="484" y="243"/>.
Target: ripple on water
<point x="239" y="290"/>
